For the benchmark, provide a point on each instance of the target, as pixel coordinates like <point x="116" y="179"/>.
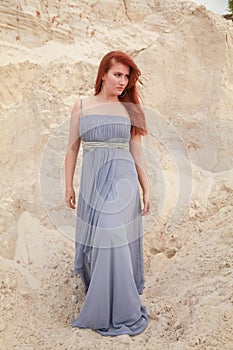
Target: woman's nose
<point x="123" y="80"/>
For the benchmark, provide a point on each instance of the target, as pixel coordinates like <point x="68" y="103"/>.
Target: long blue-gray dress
<point x="108" y="247"/>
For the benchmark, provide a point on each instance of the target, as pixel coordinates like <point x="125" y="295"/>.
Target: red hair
<point x="131" y="98"/>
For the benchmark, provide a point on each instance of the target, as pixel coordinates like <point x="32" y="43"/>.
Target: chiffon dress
<point x="108" y="236"/>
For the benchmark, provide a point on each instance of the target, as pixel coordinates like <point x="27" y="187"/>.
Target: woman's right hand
<point x="70" y="197"/>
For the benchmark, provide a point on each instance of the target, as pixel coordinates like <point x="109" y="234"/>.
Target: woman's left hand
<point x="147" y="204"/>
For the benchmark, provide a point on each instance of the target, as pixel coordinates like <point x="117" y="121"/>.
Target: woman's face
<point x="116" y="79"/>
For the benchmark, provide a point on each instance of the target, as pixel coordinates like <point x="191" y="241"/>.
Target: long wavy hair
<point x="130" y="97"/>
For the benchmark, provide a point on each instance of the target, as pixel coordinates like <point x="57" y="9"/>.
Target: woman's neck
<point x="104" y="97"/>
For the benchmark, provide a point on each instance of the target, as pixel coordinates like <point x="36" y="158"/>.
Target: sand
<point x="49" y="58"/>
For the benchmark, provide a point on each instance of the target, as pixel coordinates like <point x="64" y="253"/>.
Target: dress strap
<point x="81" y="107"/>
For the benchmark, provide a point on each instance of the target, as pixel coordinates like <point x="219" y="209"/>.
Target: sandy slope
<point x="49" y="58"/>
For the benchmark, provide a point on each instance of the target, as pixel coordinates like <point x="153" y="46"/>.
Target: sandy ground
<point x="49" y="58"/>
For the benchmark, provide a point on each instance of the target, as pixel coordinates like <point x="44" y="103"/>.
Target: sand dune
<point x="49" y="58"/>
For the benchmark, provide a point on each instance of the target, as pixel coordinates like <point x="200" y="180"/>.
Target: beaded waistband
<point x="90" y="145"/>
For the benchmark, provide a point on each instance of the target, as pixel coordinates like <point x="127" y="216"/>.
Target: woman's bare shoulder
<point x="89" y="102"/>
<point x="75" y="111"/>
<point x="84" y="103"/>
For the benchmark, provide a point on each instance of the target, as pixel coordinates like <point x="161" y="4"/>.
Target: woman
<point x="109" y="255"/>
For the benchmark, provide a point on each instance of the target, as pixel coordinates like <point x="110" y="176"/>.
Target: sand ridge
<point x="49" y="57"/>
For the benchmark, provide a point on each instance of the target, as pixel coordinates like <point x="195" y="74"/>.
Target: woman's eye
<point x="119" y="75"/>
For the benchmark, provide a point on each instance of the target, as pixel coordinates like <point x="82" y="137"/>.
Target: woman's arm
<point x="140" y="163"/>
<point x="71" y="155"/>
